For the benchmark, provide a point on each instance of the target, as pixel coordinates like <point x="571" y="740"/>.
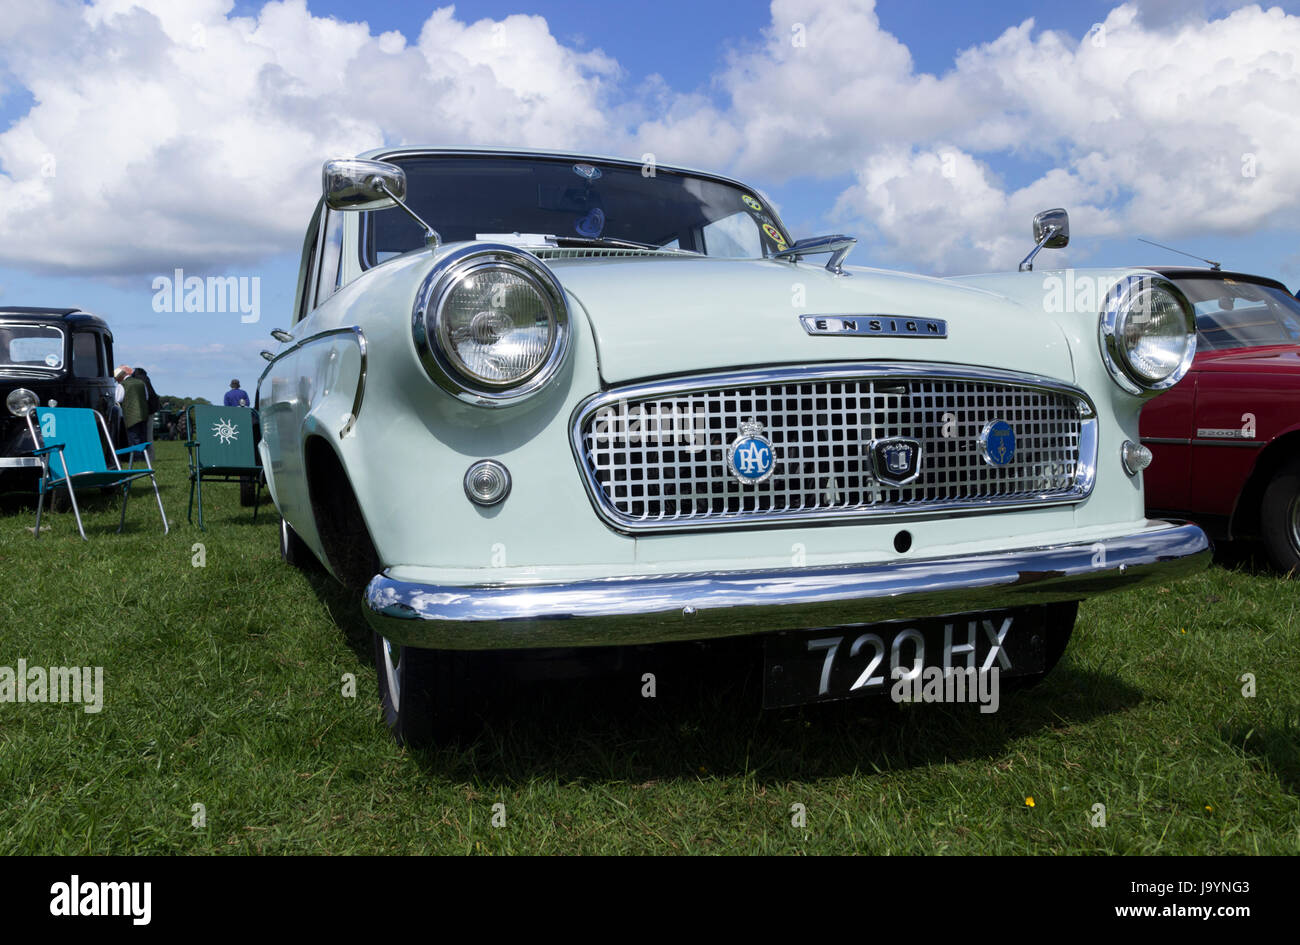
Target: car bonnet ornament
<point x="750" y="457"/>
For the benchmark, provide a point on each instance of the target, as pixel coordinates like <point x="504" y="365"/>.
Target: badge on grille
<point x="998" y="443"/>
<point x="897" y="461"/>
<point x="750" y="457"/>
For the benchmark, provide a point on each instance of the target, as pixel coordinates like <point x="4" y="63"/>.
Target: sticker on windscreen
<point x="592" y="225"/>
<point x="587" y="171"/>
<point x="53" y="360"/>
<point x="774" y="235"/>
<point x="750" y="202"/>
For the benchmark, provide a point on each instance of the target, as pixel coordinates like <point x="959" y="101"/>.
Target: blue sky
<point x="154" y="156"/>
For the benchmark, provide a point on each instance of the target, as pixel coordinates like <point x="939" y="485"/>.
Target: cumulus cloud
<point x="169" y="133"/>
<point x="1176" y="122"/>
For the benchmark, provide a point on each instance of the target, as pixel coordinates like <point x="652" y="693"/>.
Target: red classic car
<point x="1226" y="439"/>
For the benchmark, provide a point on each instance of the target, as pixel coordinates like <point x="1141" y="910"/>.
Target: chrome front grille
<point x="655" y="456"/>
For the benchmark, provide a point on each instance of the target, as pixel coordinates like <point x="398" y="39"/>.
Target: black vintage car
<point x="62" y="355"/>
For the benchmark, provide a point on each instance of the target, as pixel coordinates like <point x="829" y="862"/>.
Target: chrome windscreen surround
<point x="427" y="334"/>
<point x="654" y="456"/>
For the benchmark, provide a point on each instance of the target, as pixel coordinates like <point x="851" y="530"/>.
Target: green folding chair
<point x="223" y="448"/>
<point x="73" y="455"/>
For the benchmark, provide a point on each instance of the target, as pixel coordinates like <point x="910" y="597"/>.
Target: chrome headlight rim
<point x="1114" y="318"/>
<point x="19" y="396"/>
<point x="430" y="335"/>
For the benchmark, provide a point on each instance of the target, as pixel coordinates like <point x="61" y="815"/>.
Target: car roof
<point x="72" y="317"/>
<point x="379" y="154"/>
<point x="1204" y="272"/>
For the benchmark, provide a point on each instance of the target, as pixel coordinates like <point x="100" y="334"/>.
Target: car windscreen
<point x="31" y="346"/>
<point x="477" y="197"/>
<point x="1235" y="314"/>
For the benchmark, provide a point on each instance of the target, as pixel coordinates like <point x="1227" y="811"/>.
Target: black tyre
<point x="418" y="689"/>
<point x="294" y="550"/>
<point x="248" y="491"/>
<point x="1279" y="516"/>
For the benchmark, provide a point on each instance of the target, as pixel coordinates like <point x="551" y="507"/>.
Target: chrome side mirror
<point x="362" y="185"/>
<point x="351" y="184"/>
<point x="1051" y="231"/>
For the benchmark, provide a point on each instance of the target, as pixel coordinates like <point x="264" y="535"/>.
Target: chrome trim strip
<point x="1247" y="443"/>
<point x="1168" y="440"/>
<point x="19" y="462"/>
<point x="354" y="330"/>
<point x="670" y="607"/>
<point x="910" y="370"/>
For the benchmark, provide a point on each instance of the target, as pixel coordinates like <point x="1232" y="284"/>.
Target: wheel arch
<point x="349" y="549"/>
<point x="1245" y="521"/>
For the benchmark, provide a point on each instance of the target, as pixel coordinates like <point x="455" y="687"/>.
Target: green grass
<point x="223" y="687"/>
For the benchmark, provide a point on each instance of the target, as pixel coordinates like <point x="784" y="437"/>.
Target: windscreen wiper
<point x="602" y="241"/>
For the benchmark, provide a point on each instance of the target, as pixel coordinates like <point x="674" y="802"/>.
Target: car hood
<point x="1275" y="359"/>
<point x="657" y="316"/>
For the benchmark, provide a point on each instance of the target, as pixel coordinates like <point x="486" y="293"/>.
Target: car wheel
<point x="294" y="551"/>
<point x="415" y="687"/>
<point x="1280" y="518"/>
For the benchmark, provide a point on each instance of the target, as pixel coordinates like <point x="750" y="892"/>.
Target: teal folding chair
<point x="73" y="455"/>
<point x="223" y="448"/>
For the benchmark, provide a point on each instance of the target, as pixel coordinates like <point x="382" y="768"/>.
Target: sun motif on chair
<point x="225" y="431"/>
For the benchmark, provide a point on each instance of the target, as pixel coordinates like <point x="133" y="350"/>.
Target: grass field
<point x="224" y="687"/>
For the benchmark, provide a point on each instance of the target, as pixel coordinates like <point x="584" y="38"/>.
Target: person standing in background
<point x="235" y="397"/>
<point x="152" y="405"/>
<point x="135" y="406"/>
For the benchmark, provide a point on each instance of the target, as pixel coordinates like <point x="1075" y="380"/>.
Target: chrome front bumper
<point x="672" y="607"/>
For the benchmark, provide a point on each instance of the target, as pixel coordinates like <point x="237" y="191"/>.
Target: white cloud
<point x="1183" y="126"/>
<point x="166" y="133"/>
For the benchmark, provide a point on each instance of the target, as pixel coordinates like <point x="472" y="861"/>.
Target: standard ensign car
<point x="538" y="400"/>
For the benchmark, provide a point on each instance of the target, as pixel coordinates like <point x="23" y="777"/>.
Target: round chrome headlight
<point x="1148" y="334"/>
<point x="21" y="402"/>
<point x="490" y="324"/>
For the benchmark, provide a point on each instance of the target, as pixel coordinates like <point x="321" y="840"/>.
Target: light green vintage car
<point x="594" y="402"/>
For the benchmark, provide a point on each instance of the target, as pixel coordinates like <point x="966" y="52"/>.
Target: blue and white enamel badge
<point x="998" y="443"/>
<point x="750" y="457"/>
<point x="896" y="461"/>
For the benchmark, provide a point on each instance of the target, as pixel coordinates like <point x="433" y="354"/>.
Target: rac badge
<point x="998" y="443"/>
<point x="750" y="457"/>
<point x="896" y="461"/>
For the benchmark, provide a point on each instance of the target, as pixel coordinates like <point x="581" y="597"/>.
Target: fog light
<point x="1136" y="457"/>
<point x="21" y="402"/>
<point x="487" y="482"/>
